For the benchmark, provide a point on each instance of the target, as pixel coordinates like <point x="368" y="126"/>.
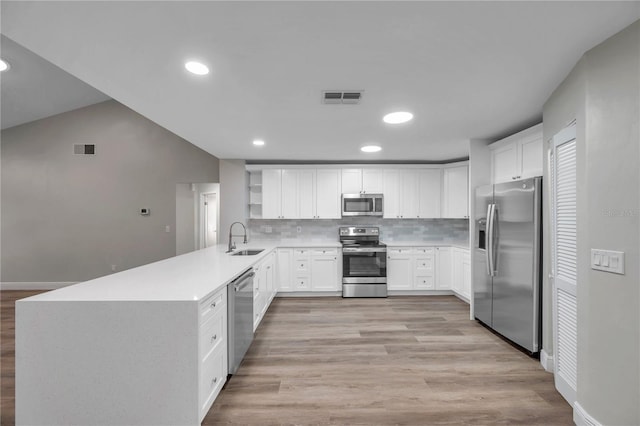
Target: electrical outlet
<point x="299" y="229"/>
<point x="267" y="229"/>
<point x="113" y="268"/>
<point x="167" y="228"/>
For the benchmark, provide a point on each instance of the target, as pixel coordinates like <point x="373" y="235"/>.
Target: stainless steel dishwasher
<point x="240" y="320"/>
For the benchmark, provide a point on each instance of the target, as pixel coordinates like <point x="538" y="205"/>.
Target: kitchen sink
<point x="250" y="252"/>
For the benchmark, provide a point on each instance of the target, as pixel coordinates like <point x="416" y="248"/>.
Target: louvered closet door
<point x="564" y="261"/>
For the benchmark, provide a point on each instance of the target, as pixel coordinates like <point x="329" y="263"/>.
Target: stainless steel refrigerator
<point x="506" y="270"/>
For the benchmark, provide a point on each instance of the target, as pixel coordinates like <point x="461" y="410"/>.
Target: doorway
<point x="210" y="219"/>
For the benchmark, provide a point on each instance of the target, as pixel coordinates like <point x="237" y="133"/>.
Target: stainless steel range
<point x="364" y="262"/>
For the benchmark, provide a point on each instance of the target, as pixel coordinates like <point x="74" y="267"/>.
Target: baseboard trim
<point x="46" y="285"/>
<point x="582" y="418"/>
<point x="421" y="293"/>
<point x="546" y="360"/>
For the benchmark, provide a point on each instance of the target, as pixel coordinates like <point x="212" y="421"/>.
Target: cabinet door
<point x="429" y="193"/>
<point x="504" y="161"/>
<point x="443" y="268"/>
<point x="324" y="273"/>
<point x="328" y="194"/>
<point x="457" y="275"/>
<point x="351" y="181"/>
<point x="306" y="194"/>
<point x="391" y="202"/>
<point x="271" y="194"/>
<point x="456" y="192"/>
<point x="466" y="275"/>
<point x="409" y="194"/>
<point x="530" y="157"/>
<point x="400" y="269"/>
<point x="373" y="181"/>
<point x="290" y="207"/>
<point x="284" y="270"/>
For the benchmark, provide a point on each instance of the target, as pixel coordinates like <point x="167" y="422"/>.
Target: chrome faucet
<point x="232" y="246"/>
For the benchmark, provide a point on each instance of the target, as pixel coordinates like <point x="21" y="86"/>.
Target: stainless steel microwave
<point x="361" y="205"/>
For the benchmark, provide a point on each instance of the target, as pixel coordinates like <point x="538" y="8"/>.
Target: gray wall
<point x="69" y="218"/>
<point x="603" y="94"/>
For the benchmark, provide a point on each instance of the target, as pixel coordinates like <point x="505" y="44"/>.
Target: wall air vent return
<point x="342" y="96"/>
<point x="82" y="149"/>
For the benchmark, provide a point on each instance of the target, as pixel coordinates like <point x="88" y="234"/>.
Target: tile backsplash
<point x="447" y="231"/>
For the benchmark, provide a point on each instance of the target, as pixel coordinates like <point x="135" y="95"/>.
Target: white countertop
<point x="188" y="277"/>
<point x="424" y="244"/>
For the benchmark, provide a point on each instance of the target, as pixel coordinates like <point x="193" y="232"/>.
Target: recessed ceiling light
<point x="197" y="68"/>
<point x="258" y="142"/>
<point x="397" y="117"/>
<point x="4" y="65"/>
<point x="370" y="148"/>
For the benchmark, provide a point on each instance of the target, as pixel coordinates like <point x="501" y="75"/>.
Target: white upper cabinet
<point x="271" y="194"/>
<point x="372" y="181"/>
<point x="429" y="193"/>
<point x="455" y="193"/>
<point x="328" y="194"/>
<point x="290" y="195"/>
<point x="518" y="156"/>
<point x="301" y="194"/>
<point x="410" y="192"/>
<point x="306" y="194"/>
<point x="357" y="181"/>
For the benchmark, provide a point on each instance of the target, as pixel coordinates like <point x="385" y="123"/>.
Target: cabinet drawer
<point x="213" y="373"/>
<point x="400" y="250"/>
<point x="212" y="334"/>
<point x="301" y="253"/>
<point x="302" y="283"/>
<point x="421" y="251"/>
<point x="424" y="264"/>
<point x="425" y="282"/>
<point x="325" y="252"/>
<point x="212" y="304"/>
<point x="302" y="267"/>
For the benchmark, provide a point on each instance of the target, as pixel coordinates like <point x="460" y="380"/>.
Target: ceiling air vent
<point x="341" y="96"/>
<point x="82" y="149"/>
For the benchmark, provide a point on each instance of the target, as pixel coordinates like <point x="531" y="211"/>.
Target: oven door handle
<point x="362" y="251"/>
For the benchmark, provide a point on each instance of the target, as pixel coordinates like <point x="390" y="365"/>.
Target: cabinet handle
<point x="213" y="305"/>
<point x="214" y="381"/>
<point x="213" y="338"/>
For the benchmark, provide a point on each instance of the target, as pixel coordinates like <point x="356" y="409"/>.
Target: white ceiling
<point x="35" y="89"/>
<point x="465" y="69"/>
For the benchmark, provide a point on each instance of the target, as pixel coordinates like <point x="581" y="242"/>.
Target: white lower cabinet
<point x="264" y="288"/>
<point x="411" y="268"/>
<point x="324" y="270"/>
<point x="309" y="269"/>
<point x="212" y="350"/>
<point x="400" y="268"/>
<point x="461" y="265"/>
<point x="443" y="269"/>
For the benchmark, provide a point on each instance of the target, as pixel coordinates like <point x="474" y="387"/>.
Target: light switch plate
<point x="607" y="261"/>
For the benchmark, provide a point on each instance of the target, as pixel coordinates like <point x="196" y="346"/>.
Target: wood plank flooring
<point x="394" y="361"/>
<point x="400" y="360"/>
<point x="7" y="352"/>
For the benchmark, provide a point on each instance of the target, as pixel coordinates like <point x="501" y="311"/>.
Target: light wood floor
<point x="400" y="360"/>
<point x="394" y="361"/>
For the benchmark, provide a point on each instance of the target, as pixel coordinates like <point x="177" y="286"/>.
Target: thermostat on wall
<point x="145" y="212"/>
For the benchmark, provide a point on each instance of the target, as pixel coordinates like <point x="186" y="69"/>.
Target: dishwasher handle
<point x="243" y="280"/>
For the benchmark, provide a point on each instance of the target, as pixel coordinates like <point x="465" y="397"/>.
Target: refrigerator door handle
<point x="489" y="237"/>
<point x="495" y="239"/>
